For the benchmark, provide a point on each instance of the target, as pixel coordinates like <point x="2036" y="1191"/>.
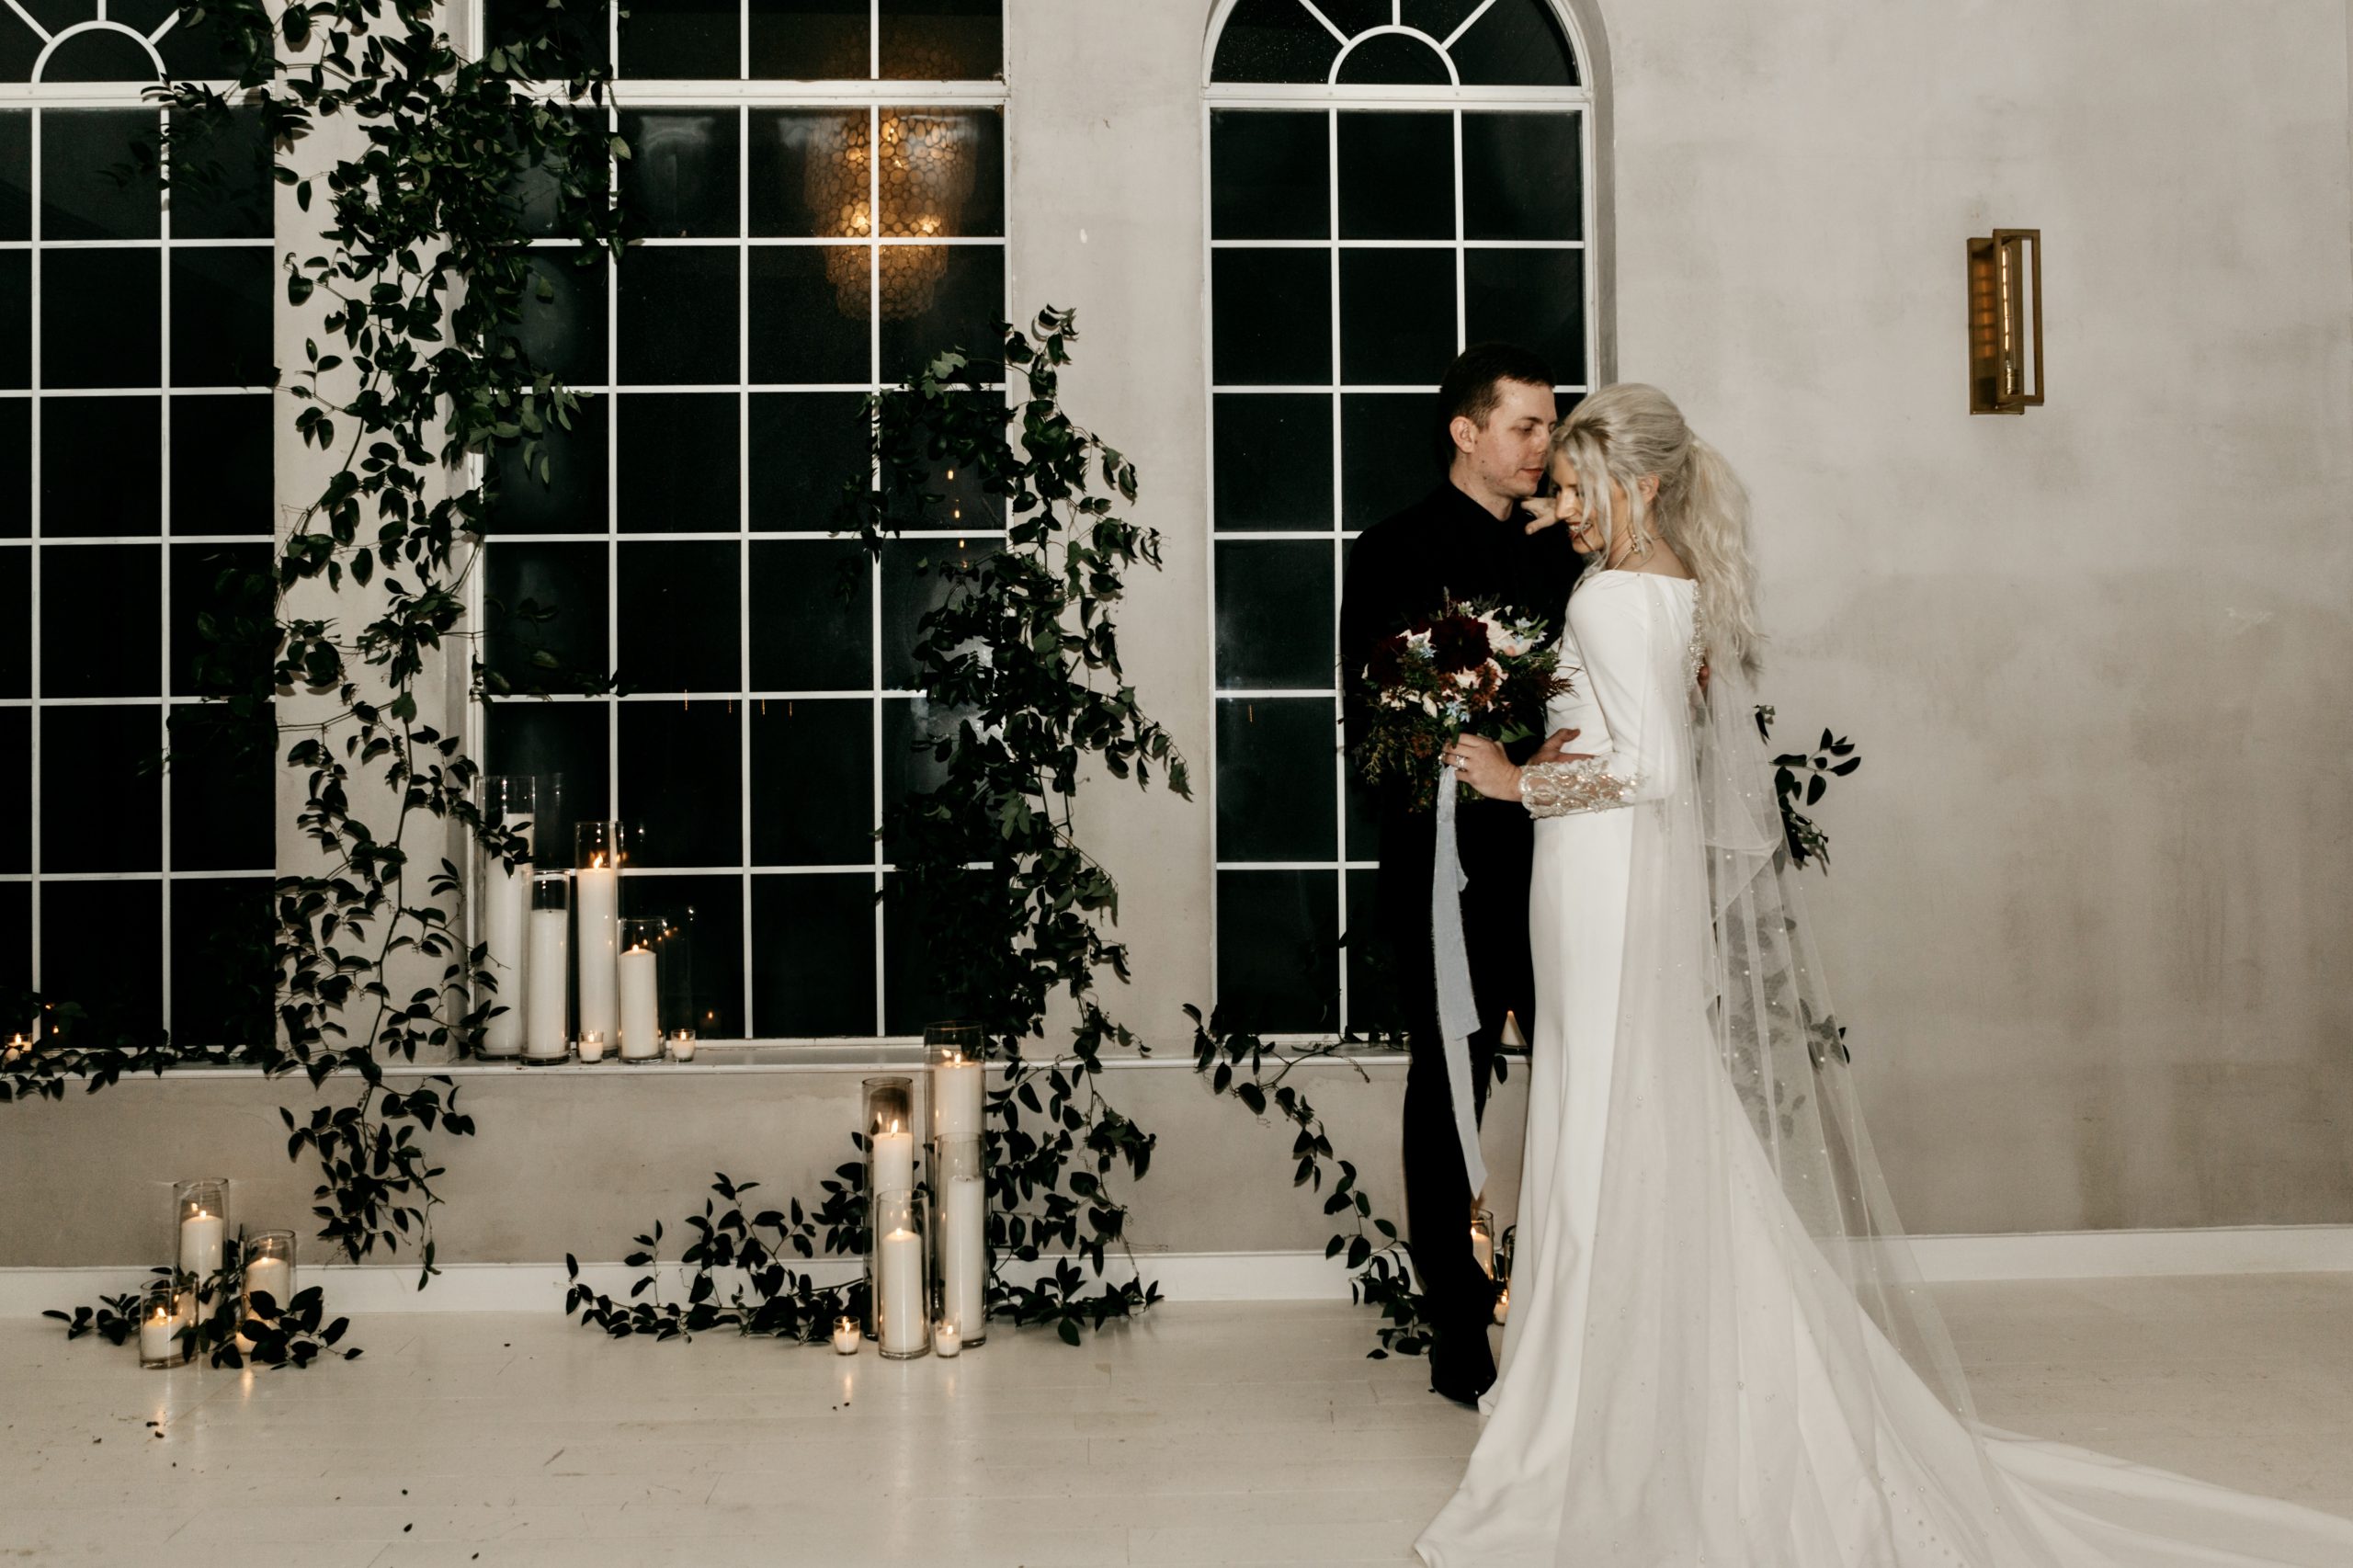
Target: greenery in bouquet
<point x="1469" y="669"/>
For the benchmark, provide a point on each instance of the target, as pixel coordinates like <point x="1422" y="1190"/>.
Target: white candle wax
<point x="200" y="1238"/>
<point x="597" y="890"/>
<point x="963" y="1255"/>
<point x="270" y="1276"/>
<point x="547" y="971"/>
<point x="894" y="1161"/>
<point x="682" y="1046"/>
<point x="641" y="1028"/>
<point x="956" y="1097"/>
<point x="507" y="907"/>
<point x="898" y="1292"/>
<point x="846" y="1336"/>
<point x="591" y="1048"/>
<point x="946" y="1339"/>
<point x="157" y="1334"/>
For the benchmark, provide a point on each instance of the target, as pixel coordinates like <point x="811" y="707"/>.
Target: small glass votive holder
<point x="592" y="1047"/>
<point x="682" y="1045"/>
<point x="167" y="1326"/>
<point x="902" y="1303"/>
<point x="547" y="976"/>
<point x="200" y="1236"/>
<point x="847" y="1337"/>
<point x="946" y="1339"/>
<point x="269" y="1272"/>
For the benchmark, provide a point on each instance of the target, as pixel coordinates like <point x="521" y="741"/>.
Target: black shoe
<point x="1461" y="1367"/>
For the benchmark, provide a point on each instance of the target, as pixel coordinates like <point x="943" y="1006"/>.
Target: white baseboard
<point x="375" y="1289"/>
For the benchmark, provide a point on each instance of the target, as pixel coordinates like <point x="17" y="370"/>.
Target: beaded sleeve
<point x="1559" y="788"/>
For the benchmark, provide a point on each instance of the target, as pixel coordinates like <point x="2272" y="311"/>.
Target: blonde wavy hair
<point x="1629" y="431"/>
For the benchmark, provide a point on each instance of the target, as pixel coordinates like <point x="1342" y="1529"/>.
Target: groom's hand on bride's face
<point x="1543" y="512"/>
<point x="1556" y="747"/>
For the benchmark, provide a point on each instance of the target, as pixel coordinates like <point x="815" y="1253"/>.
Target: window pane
<point x="1362" y="812"/>
<point x="220" y="960"/>
<point x="677" y="608"/>
<point x="582" y="31"/>
<point x="16" y="175"/>
<point x="677" y="315"/>
<point x="101" y="798"/>
<point x="570" y="499"/>
<point x="1273" y="614"/>
<point x="19" y="48"/>
<point x="943" y="40"/>
<point x="1272" y="326"/>
<point x="101" y="318"/>
<point x="1269" y="175"/>
<point x="1388" y="457"/>
<point x="935" y="298"/>
<point x="1394" y="57"/>
<point x="809" y="314"/>
<point x="909" y="767"/>
<point x="942" y="173"/>
<point x="221" y="464"/>
<point x="220" y="796"/>
<point x="16" y="949"/>
<point x="1523" y="177"/>
<point x="809" y="178"/>
<point x="1277" y="961"/>
<point x="680" y="178"/>
<point x="1438" y="17"/>
<point x="535" y="189"/>
<point x="1535" y="296"/>
<point x="912" y="589"/>
<point x="101" y="609"/>
<point x="221" y="180"/>
<point x="1518" y="43"/>
<point x="1396" y="176"/>
<point x="812" y="617"/>
<point x="1274" y="461"/>
<point x="813" y="782"/>
<point x="805" y="448"/>
<point x="16" y="318"/>
<point x="915" y="993"/>
<point x="1273" y="41"/>
<point x="677" y="40"/>
<point x="1373" y="988"/>
<point x="543" y="598"/>
<point x="562" y="740"/>
<point x="221" y="304"/>
<point x="810" y="40"/>
<point x="564" y="333"/>
<point x="101" y="460"/>
<point x="16" y="624"/>
<point x="679" y="462"/>
<point x="99" y="56"/>
<point x="16" y="795"/>
<point x="1275" y="778"/>
<point x="215" y="579"/>
<point x="97" y="175"/>
<point x="102" y="944"/>
<point x="712" y="910"/>
<point x="682" y="771"/>
<point x="1396" y="316"/>
<point x="812" y="953"/>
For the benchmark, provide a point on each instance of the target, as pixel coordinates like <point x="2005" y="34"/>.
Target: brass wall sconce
<point x="2005" y="321"/>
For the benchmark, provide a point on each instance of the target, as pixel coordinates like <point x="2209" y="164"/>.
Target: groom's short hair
<point x="1470" y="390"/>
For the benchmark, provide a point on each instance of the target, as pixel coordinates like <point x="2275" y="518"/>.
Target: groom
<point x="1467" y="537"/>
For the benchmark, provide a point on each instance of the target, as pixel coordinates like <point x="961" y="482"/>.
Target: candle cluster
<point x="210" y="1264"/>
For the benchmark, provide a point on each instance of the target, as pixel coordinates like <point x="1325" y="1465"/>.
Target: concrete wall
<point x="2089" y="915"/>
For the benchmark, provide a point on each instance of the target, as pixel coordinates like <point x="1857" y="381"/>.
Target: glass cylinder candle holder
<point x="961" y="1253"/>
<point x="682" y="1045"/>
<point x="953" y="1054"/>
<point x="509" y="803"/>
<point x="895" y="1265"/>
<point x="547" y="1014"/>
<point x="269" y="1271"/>
<point x="591" y="1048"/>
<point x="847" y="1337"/>
<point x="167" y="1326"/>
<point x="1483" y="1240"/>
<point x="199" y="1231"/>
<point x="888" y="1124"/>
<point x="600" y="850"/>
<point x="639" y="989"/>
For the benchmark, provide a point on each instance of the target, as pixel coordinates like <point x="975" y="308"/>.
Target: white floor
<point x="1224" y="1434"/>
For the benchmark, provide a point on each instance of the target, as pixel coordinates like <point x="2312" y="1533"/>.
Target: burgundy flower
<point x="1459" y="641"/>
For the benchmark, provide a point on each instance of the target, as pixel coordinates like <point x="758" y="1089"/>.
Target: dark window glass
<point x="1438" y="17"/>
<point x="101" y="318"/>
<point x="813" y="949"/>
<point x="1277" y="968"/>
<point x="806" y="447"/>
<point x="19" y="48"/>
<point x="16" y="799"/>
<point x="222" y="465"/>
<point x="583" y="30"/>
<point x="101" y="797"/>
<point x="912" y="588"/>
<point x="536" y="188"/>
<point x="543" y="599"/>
<point x="1274" y="461"/>
<point x="681" y="777"/>
<point x="16" y="318"/>
<point x="1363" y="820"/>
<point x="1372" y="987"/>
<point x="220" y="960"/>
<point x="681" y="40"/>
<point x="221" y="180"/>
<point x="680" y="178"/>
<point x="16" y="468"/>
<point x="120" y="980"/>
<point x="810" y="40"/>
<point x="101" y="609"/>
<point x="1271" y="174"/>
<point x="1518" y="43"/>
<point x="15" y="623"/>
<point x="1273" y="41"/>
<point x="102" y="55"/>
<point x="16" y="949"/>
<point x="935" y="298"/>
<point x="98" y="177"/>
<point x="1273" y="614"/>
<point x="221" y="304"/>
<point x="16" y="175"/>
<point x="1396" y="176"/>
<point x="1396" y="316"/>
<point x="1534" y="296"/>
<point x="1523" y="177"/>
<point x="812" y="617"/>
<point x="1273" y="322"/>
<point x="813" y="778"/>
<point x="809" y="314"/>
<point x="1353" y="16"/>
<point x="1394" y="57"/>
<point x="712" y="910"/>
<point x="677" y="315"/>
<point x="565" y="333"/>
<point x="910" y="725"/>
<point x="570" y="496"/>
<point x="678" y="467"/>
<point x="943" y="40"/>
<point x="567" y="739"/>
<point x="1388" y="457"/>
<point x="216" y="580"/>
<point x="221" y="795"/>
<point x="101" y="459"/>
<point x="1275" y="775"/>
<point x="809" y="178"/>
<point x="942" y="173"/>
<point x="675" y="609"/>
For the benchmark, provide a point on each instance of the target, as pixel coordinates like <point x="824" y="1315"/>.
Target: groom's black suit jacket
<point x="1399" y="570"/>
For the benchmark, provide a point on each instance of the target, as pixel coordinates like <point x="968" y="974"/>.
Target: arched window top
<point x="1412" y="43"/>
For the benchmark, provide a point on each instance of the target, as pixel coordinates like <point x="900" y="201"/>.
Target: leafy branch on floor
<point x="274" y="1333"/>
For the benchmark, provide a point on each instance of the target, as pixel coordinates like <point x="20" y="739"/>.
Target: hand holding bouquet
<point x="1470" y="669"/>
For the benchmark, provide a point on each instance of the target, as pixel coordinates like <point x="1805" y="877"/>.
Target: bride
<point x="1719" y="1355"/>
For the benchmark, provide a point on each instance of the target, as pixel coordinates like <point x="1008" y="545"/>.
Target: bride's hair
<point x="1630" y="430"/>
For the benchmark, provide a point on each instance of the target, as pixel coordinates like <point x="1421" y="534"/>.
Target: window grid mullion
<point x="164" y="568"/>
<point x="743" y="511"/>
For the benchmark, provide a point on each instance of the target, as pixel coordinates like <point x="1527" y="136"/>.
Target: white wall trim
<point x="374" y="1289"/>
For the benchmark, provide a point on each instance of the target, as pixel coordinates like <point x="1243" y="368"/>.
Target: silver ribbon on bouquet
<point x="1458" y="1004"/>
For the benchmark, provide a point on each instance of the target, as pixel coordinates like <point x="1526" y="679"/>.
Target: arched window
<point x="1390" y="181"/>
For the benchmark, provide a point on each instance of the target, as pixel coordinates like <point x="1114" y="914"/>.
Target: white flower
<point x="1429" y="705"/>
<point x="1467" y="679"/>
<point x="1418" y="643"/>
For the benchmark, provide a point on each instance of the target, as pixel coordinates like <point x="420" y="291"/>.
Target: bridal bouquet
<point x="1467" y="669"/>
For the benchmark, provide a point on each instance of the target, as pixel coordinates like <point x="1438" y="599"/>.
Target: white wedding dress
<point x="1718" y="1355"/>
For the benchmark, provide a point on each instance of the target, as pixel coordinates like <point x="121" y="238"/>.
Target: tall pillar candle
<point x="964" y="1257"/>
<point x="545" y="1037"/>
<point x="956" y="1097"/>
<point x="507" y="907"/>
<point x="899" y="1295"/>
<point x="640" y="1022"/>
<point x="597" y="891"/>
<point x="895" y="1160"/>
<point x="201" y="1235"/>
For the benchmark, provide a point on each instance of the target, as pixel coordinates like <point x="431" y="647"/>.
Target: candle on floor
<point x="202" y="1211"/>
<point x="163" y="1316"/>
<point x="641" y="1027"/>
<point x="269" y="1271"/>
<point x="898" y="1294"/>
<point x="846" y="1336"/>
<point x="960" y="1176"/>
<point x="946" y="1339"/>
